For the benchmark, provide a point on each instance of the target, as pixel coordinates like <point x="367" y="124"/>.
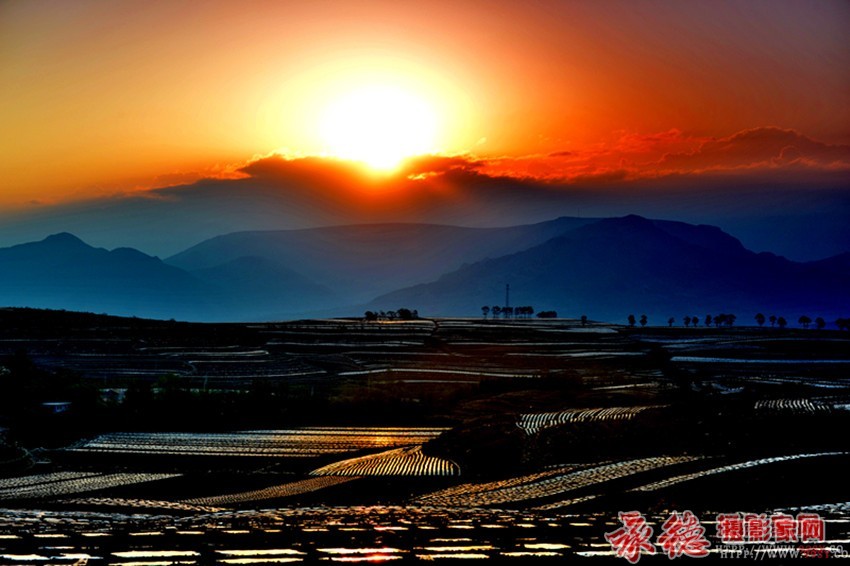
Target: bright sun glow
<point x="379" y="126"/>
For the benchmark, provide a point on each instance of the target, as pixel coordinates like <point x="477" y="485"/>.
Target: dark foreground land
<point x="145" y="442"/>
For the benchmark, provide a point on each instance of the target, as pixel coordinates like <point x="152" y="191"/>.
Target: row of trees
<point x="400" y="314"/>
<point x="724" y="319"/>
<point x="804" y="321"/>
<point x="508" y="312"/>
<point x="718" y="320"/>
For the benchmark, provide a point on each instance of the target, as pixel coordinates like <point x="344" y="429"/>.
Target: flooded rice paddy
<point x="517" y="440"/>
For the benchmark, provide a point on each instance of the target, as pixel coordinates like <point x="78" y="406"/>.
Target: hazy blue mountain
<point x="258" y="289"/>
<point x="618" y="266"/>
<point x="63" y="272"/>
<point x="709" y="237"/>
<point x="838" y="265"/>
<point x="361" y="262"/>
<point x="603" y="268"/>
<point x="801" y="218"/>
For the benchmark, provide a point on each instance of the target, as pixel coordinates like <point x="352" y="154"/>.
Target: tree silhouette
<point x="643" y="320"/>
<point x="632" y="320"/>
<point x="370" y="316"/>
<point x="497" y="310"/>
<point x="547" y="314"/>
<point x="804" y="321"/>
<point x="695" y="321"/>
<point x="523" y="312"/>
<point x="772" y="320"/>
<point x="687" y="321"/>
<point x="820" y="323"/>
<point x="708" y="320"/>
<point x="584" y="320"/>
<point x="485" y="310"/>
<point x="670" y="321"/>
<point x="843" y="323"/>
<point x="760" y="318"/>
<point x="781" y="322"/>
<point x="730" y="319"/>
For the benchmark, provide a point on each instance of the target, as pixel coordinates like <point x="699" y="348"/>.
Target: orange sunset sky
<point x="104" y="97"/>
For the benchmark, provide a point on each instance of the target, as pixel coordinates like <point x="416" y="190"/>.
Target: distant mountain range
<point x="618" y="266"/>
<point x="361" y="262"/>
<point x="63" y="272"/>
<point x="604" y="268"/>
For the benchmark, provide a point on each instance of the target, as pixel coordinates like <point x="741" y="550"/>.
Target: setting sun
<point x="379" y="126"/>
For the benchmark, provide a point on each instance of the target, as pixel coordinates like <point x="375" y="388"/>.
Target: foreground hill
<point x="618" y="266"/>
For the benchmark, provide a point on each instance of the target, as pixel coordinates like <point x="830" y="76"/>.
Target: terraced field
<point x="556" y="483"/>
<point x="275" y="492"/>
<point x="791" y="406"/>
<point x="470" y="492"/>
<point x="141" y="504"/>
<point x="535" y="422"/>
<point x="500" y="401"/>
<point x="658" y="485"/>
<point x="304" y="442"/>
<point x="41" y="479"/>
<point x="409" y="461"/>
<point x="48" y="486"/>
<point x="117" y="366"/>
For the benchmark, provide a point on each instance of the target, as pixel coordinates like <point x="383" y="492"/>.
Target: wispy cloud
<point x="626" y="157"/>
<point x="632" y="156"/>
<point x="765" y="148"/>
